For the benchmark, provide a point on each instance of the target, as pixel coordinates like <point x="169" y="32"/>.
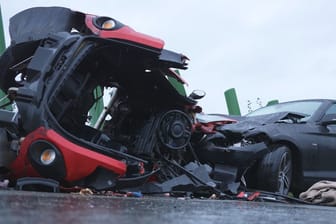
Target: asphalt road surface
<point x="37" y="207"/>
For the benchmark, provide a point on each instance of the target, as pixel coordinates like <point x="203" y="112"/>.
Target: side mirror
<point x="197" y="94"/>
<point x="328" y="119"/>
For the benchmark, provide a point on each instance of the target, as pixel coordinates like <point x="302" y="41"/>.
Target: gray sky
<point x="271" y="49"/>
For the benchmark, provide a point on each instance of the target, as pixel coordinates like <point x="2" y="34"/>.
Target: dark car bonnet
<point x="249" y="123"/>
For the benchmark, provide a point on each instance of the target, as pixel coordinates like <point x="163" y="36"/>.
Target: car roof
<point x="303" y="100"/>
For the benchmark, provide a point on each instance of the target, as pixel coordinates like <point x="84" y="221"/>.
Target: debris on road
<point x="4" y="183"/>
<point x="321" y="193"/>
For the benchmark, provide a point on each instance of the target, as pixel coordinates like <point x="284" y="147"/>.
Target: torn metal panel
<point x="249" y="123"/>
<point x="196" y="180"/>
<point x="38" y="23"/>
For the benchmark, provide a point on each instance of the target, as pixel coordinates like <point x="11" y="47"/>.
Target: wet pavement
<point x="37" y="207"/>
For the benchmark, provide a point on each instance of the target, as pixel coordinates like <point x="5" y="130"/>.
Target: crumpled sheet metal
<point x="322" y="193"/>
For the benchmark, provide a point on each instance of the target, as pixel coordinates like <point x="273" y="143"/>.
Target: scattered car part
<point x="31" y="183"/>
<point x="322" y="193"/>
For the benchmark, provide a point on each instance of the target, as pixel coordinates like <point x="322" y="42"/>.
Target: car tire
<point x="274" y="173"/>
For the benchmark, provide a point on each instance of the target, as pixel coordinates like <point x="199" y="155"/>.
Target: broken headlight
<point x="106" y="23"/>
<point x="47" y="159"/>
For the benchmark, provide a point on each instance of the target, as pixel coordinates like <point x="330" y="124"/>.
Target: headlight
<point x="108" y="24"/>
<point x="48" y="156"/>
<point x="47" y="159"/>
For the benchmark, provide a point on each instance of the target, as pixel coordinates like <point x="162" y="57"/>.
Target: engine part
<point x="175" y="129"/>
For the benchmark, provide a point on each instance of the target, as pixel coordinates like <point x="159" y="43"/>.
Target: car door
<point x="325" y="165"/>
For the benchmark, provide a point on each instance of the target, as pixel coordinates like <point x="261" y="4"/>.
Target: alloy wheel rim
<point x="285" y="174"/>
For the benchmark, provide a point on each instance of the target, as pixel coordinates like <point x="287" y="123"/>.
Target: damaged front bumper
<point x="231" y="163"/>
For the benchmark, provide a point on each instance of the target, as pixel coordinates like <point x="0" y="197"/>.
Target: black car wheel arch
<point x="275" y="170"/>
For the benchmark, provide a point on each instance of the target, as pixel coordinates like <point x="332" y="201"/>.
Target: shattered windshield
<point x="307" y="108"/>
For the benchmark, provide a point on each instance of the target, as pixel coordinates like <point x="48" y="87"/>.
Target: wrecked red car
<point x="148" y="133"/>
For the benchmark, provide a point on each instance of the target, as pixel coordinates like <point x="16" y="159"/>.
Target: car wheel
<point x="274" y="173"/>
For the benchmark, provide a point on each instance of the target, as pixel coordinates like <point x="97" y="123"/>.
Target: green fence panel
<point x="177" y="85"/>
<point x="232" y="102"/>
<point x="98" y="107"/>
<point x="2" y="49"/>
<point x="272" y="102"/>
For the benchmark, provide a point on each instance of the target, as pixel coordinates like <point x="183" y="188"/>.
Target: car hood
<point x="250" y="123"/>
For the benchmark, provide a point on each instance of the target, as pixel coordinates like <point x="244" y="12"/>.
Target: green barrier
<point x="232" y="102"/>
<point x="98" y="107"/>
<point x="272" y="102"/>
<point x="2" y="49"/>
<point x="177" y="85"/>
<point x="2" y="35"/>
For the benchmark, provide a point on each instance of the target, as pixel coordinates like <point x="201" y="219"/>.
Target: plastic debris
<point x="134" y="194"/>
<point x="322" y="192"/>
<point x="4" y="183"/>
<point x="86" y="191"/>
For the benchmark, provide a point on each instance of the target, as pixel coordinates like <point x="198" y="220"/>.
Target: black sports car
<point x="301" y="137"/>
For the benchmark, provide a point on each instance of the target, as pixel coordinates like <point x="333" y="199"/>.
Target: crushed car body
<point x="147" y="137"/>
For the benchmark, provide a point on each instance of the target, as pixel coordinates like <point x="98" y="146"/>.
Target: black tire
<point x="274" y="173"/>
